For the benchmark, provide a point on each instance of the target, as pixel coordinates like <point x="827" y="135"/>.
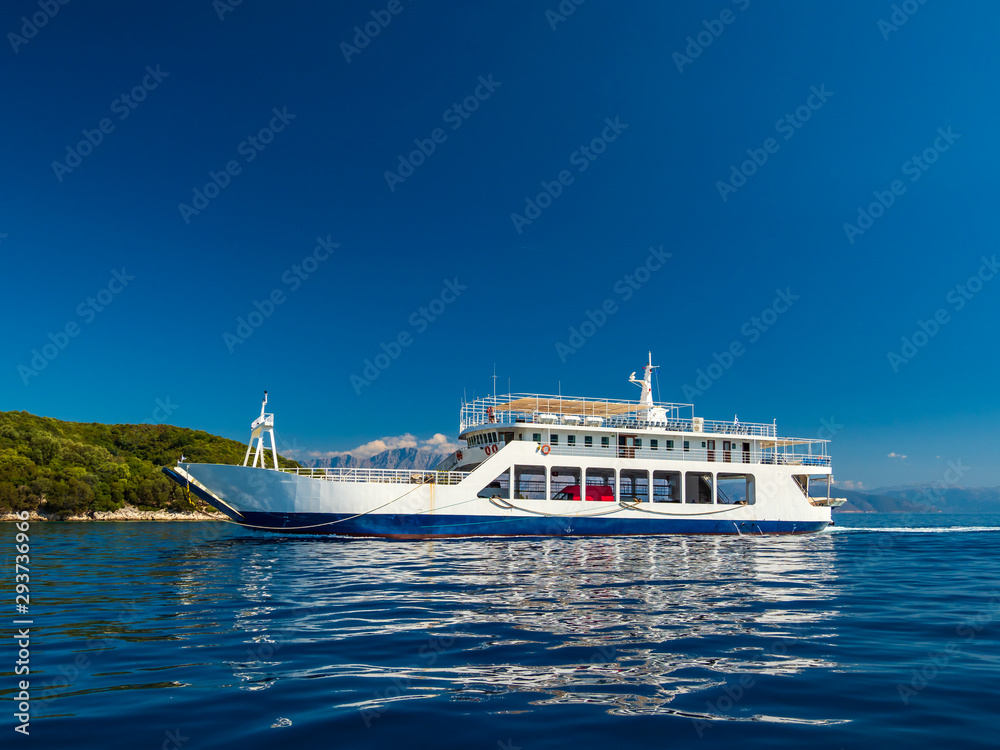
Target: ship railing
<point x="677" y="453"/>
<point x="390" y="476"/>
<point x="496" y="409"/>
<point x="477" y="414"/>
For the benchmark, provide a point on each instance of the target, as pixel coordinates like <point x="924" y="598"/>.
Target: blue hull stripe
<point x="426" y="526"/>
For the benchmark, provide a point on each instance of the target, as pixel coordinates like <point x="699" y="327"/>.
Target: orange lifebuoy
<point x="545" y="449"/>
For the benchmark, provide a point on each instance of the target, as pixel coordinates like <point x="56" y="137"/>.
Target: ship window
<point x="653" y="444"/>
<point x="588" y="441"/>
<point x="637" y="442"/>
<point x="605" y="441"/>
<point x="635" y="484"/>
<point x="571" y="439"/>
<point x="697" y="487"/>
<point x="529" y="482"/>
<point x="666" y="486"/>
<point x="736" y="489"/>
<point x="555" y="439"/>
<point x="564" y="483"/>
<point x="601" y="478"/>
<point x="499" y="487"/>
<point x="702" y="443"/>
<point x="536" y="437"/>
<point x="687" y="445"/>
<point x="670" y="445"/>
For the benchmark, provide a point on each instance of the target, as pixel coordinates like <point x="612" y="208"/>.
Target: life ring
<point x="545" y="449"/>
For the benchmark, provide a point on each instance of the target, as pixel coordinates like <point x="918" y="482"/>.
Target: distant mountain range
<point x="394" y="458"/>
<point x="920" y="498"/>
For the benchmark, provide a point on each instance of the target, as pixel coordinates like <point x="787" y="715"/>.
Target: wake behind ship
<point x="539" y="465"/>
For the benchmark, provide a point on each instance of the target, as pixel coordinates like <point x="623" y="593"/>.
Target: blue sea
<point x="881" y="632"/>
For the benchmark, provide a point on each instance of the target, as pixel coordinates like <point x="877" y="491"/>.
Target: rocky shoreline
<point x="127" y="513"/>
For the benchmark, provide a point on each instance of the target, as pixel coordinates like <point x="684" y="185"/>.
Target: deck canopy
<point x="546" y="405"/>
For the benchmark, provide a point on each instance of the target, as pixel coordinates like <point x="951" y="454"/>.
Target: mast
<point x="263" y="425"/>
<point x="646" y="386"/>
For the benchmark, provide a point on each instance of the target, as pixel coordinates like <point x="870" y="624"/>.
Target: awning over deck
<point x="563" y="406"/>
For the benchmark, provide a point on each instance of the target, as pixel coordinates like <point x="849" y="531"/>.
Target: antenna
<point x="494" y="383"/>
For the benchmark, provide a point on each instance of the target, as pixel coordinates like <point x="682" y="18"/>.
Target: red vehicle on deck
<point x="594" y="492"/>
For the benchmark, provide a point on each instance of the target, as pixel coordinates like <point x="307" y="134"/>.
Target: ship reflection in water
<point x="708" y="628"/>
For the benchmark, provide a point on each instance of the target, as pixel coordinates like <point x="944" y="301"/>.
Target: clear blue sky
<point x="864" y="100"/>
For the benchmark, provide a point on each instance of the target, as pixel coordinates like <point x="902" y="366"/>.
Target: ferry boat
<point x="541" y="465"/>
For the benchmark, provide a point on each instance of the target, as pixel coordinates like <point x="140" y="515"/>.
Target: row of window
<point x="572" y="483"/>
<point x="483" y="438"/>
<point x="637" y="442"/>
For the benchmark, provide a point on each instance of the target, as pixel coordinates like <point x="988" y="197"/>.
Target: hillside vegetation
<point x="69" y="468"/>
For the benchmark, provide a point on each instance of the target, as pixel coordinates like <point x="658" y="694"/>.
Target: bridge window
<point x="735" y="489"/>
<point x="529" y="482"/>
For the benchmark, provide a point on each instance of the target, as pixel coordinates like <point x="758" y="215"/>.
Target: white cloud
<point x="896" y="455"/>
<point x="847" y="484"/>
<point x="438" y="443"/>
